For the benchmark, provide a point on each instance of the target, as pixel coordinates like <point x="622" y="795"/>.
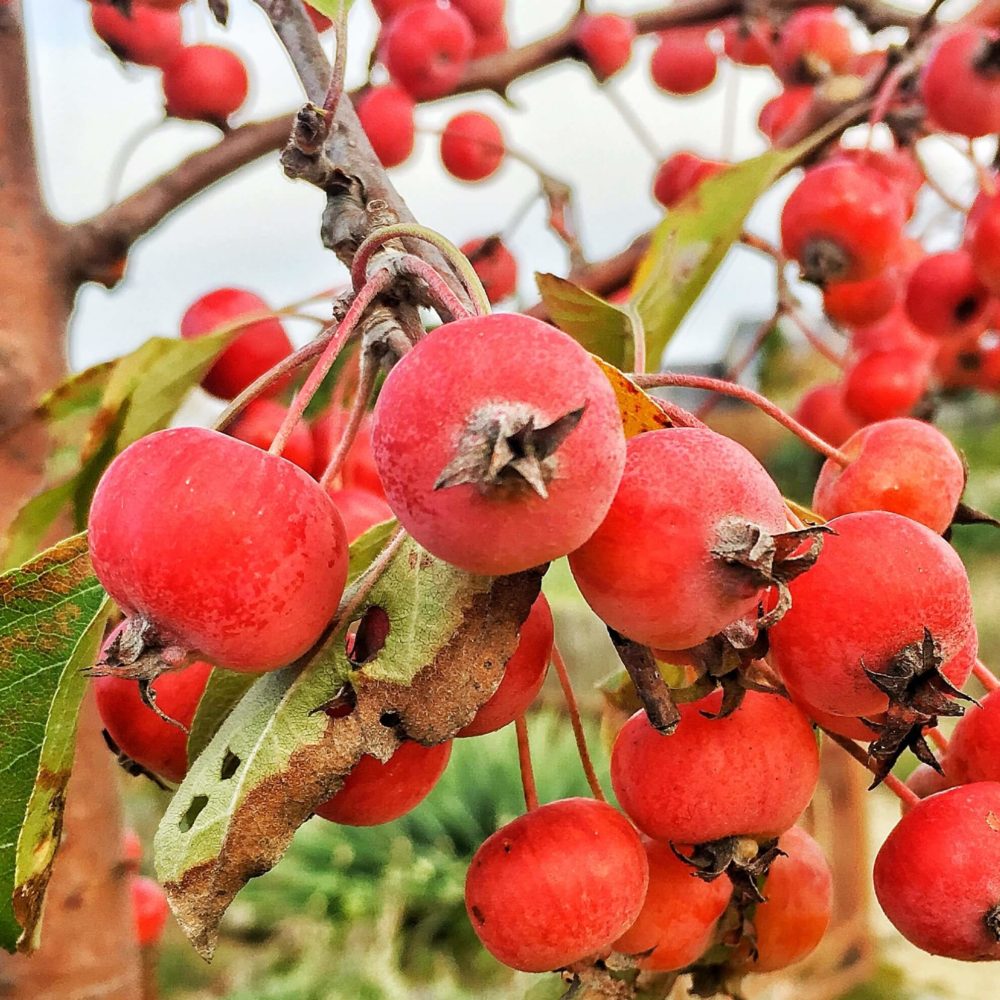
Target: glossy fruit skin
<point x="901" y="465"/>
<point x="495" y="265"/>
<point x="822" y="411"/>
<point x="523" y="675"/>
<point x="974" y="750"/>
<point x="259" y="423"/>
<point x="748" y="42"/>
<point x="256" y="349"/>
<point x="896" y="165"/>
<point x="959" y="94"/>
<point x="358" y="470"/>
<point x="423" y="412"/>
<point x="793" y="920"/>
<point x="681" y="173"/>
<point x="205" y="83"/>
<point x="425" y="48"/>
<point x="649" y="570"/>
<point x="780" y="113"/>
<point x="882" y="385"/>
<point x="852" y="210"/>
<point x="360" y="510"/>
<point x="148" y="38"/>
<point x="605" y="41"/>
<point x="272" y="537"/>
<point x="813" y="44"/>
<point x="149" y="910"/>
<point x="472" y="146"/>
<point x="937" y="875"/>
<point x="556" y="885"/>
<point x="945" y="298"/>
<point x="862" y="302"/>
<point x="375" y="793"/>
<point x="880" y="580"/>
<point x="982" y="240"/>
<point x="750" y="774"/>
<point x="386" y="115"/>
<point x="677" y="922"/>
<point x="683" y="62"/>
<point x="139" y="732"/>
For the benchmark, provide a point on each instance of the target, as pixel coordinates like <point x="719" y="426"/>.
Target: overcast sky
<point x="260" y="231"/>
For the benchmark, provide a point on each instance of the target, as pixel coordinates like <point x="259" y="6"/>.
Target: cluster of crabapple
<point x="200" y="82"/>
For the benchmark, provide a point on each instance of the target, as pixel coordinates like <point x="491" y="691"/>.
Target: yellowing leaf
<point x="638" y="409"/>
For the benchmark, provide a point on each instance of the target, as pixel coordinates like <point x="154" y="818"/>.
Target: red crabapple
<point x="489" y="45"/>
<point x="748" y="42"/>
<point x="141" y="734"/>
<point x="376" y="793"/>
<point x="893" y="332"/>
<point x="425" y="48"/>
<point x="822" y="411"/>
<point x="880" y="582"/>
<point x="605" y="41"/>
<point x="974" y="750"/>
<point x="472" y="146"/>
<point x="320" y="21"/>
<point x="360" y="510"/>
<point x="749" y="774"/>
<point x="958" y="363"/>
<point x="485" y="16"/>
<point x="960" y="85"/>
<point x="386" y="115"/>
<point x="901" y="465"/>
<point x="862" y="302"/>
<point x="945" y="298"/>
<point x="896" y="165"/>
<point x="522" y="676"/>
<point x="680" y="173"/>
<point x="925" y="781"/>
<point x="358" y="470"/>
<point x="219" y="547"/>
<point x="782" y="112"/>
<point x="556" y="885"/>
<point x="131" y="849"/>
<point x="387" y="9"/>
<point x="881" y="385"/>
<point x="792" y="920"/>
<point x="489" y="462"/>
<point x="656" y="570"/>
<point x="495" y="265"/>
<point x="813" y="44"/>
<point x="149" y="910"/>
<point x="256" y="349"/>
<point x="147" y="37"/>
<point x="205" y="83"/>
<point x="842" y="223"/>
<point x="259" y="423"/>
<point x="683" y="62"/>
<point x="677" y="922"/>
<point x="937" y="876"/>
<point x="982" y="239"/>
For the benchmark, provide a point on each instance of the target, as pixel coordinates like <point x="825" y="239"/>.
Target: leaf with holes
<point x="600" y="327"/>
<point x="435" y="642"/>
<point x="638" y="409"/>
<point x="52" y="616"/>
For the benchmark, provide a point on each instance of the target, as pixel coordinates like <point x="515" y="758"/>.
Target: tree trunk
<point x="88" y="950"/>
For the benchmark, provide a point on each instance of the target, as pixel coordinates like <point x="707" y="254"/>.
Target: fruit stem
<point x="574" y="717"/>
<point x="985" y="676"/>
<point x="355" y="595"/>
<point x="454" y="256"/>
<point x="902" y="792"/>
<point x="747" y="395"/>
<point x="276" y="374"/>
<point x="815" y="341"/>
<point x="445" y="300"/>
<point x="378" y="282"/>
<point x="336" y="87"/>
<point x="937" y="738"/>
<point x="635" y="124"/>
<point x="524" y="760"/>
<point x="359" y="406"/>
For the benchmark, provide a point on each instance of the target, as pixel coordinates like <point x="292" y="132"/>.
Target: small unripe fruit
<point x="605" y="41"/>
<point x="386" y="115"/>
<point x="683" y="62"/>
<point x="960" y="83"/>
<point x="375" y="793"/>
<point x="149" y="910"/>
<point x="522" y="676"/>
<point x="148" y="37"/>
<point x="205" y="83"/>
<point x="259" y="423"/>
<point x="445" y="443"/>
<point x="255" y="350"/>
<point x="495" y="265"/>
<point x="750" y="774"/>
<point x="224" y="549"/>
<point x="425" y="48"/>
<point x="141" y="734"/>
<point x="472" y="146"/>
<point x="556" y="885"/>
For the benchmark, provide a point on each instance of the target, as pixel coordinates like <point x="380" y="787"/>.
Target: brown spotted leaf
<point x="276" y="756"/>
<point x="640" y="412"/>
<point x="52" y="615"/>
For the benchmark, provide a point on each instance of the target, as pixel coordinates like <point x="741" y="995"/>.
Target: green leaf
<point x="278" y="755"/>
<point x="689" y="244"/>
<point x="331" y="8"/>
<point x="600" y="327"/>
<point x="52" y="616"/>
<point x="98" y="414"/>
